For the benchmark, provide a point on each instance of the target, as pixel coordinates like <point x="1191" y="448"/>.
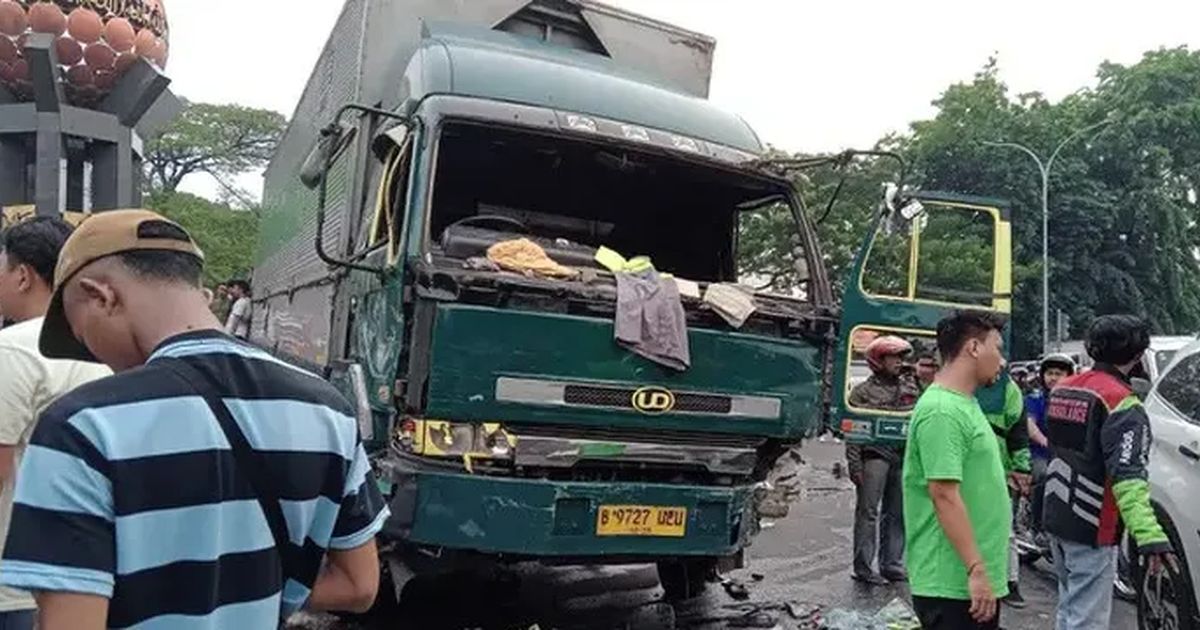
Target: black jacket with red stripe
<point x="1100" y="446"/>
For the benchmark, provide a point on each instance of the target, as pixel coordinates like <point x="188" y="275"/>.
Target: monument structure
<point x="81" y="85"/>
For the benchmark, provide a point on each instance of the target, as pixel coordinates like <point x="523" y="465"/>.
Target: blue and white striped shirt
<point x="129" y="490"/>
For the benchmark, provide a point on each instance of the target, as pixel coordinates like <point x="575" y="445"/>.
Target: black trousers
<point x="936" y="613"/>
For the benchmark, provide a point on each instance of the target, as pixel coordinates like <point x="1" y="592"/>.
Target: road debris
<point x="896" y="615"/>
<point x="784" y="484"/>
<point x="735" y="588"/>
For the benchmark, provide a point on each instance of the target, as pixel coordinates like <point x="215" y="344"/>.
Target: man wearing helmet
<point x="1096" y="481"/>
<point x="875" y="469"/>
<point x="1052" y="369"/>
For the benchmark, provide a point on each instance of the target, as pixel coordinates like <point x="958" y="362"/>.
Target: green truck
<point x="505" y="422"/>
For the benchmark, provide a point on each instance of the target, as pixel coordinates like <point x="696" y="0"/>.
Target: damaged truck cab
<point x="507" y="424"/>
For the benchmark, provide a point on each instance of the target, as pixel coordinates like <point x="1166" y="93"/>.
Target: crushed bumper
<point x="541" y="518"/>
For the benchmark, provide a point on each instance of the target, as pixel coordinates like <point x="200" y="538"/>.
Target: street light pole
<point x="1044" y="170"/>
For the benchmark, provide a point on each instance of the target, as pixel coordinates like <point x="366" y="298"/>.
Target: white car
<point x="1162" y="351"/>
<point x="1169" y="601"/>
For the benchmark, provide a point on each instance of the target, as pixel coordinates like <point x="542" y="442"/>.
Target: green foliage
<point x="226" y="236"/>
<point x="955" y="259"/>
<point x="1124" y="219"/>
<point x="767" y="239"/>
<point x="223" y="141"/>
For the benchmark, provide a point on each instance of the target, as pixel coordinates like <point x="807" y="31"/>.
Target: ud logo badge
<point x="653" y="400"/>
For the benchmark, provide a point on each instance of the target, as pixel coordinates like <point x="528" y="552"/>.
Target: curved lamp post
<point x="1044" y="168"/>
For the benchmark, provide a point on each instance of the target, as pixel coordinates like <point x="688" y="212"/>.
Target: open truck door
<point x="925" y="256"/>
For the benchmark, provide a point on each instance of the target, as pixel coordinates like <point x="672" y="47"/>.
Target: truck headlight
<point x="445" y="438"/>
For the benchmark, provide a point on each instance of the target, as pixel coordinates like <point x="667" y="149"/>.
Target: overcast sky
<point x="807" y="75"/>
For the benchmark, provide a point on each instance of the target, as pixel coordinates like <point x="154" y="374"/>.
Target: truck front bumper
<point x="541" y="518"/>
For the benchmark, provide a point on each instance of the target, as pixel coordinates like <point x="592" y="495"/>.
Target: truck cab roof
<point x="482" y="63"/>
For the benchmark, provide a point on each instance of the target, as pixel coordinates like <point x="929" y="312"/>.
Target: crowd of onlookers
<point x="936" y="511"/>
<point x="156" y="470"/>
<point x="230" y="303"/>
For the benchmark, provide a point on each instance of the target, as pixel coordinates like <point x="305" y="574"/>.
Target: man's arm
<point x="1018" y="433"/>
<point x="236" y="313"/>
<point x="952" y="515"/>
<point x="20" y="373"/>
<point x="71" y="611"/>
<point x="1019" y="458"/>
<point x="1125" y="439"/>
<point x="1035" y="434"/>
<point x="349" y="580"/>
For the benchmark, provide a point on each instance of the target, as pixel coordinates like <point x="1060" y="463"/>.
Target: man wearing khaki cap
<point x="206" y="485"/>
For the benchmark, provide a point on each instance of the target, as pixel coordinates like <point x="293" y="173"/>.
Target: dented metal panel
<point x="563" y="452"/>
<point x="296" y="325"/>
<point x="682" y="58"/>
<point x="474" y="346"/>
<point x="536" y="517"/>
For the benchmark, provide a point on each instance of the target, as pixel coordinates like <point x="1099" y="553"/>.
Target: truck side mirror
<point x="330" y="143"/>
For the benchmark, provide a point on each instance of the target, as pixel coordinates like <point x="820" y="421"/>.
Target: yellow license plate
<point x="641" y="520"/>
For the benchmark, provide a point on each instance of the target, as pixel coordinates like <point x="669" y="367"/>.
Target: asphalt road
<point x="801" y="560"/>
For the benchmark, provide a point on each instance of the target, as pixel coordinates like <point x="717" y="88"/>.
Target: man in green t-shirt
<point x="957" y="513"/>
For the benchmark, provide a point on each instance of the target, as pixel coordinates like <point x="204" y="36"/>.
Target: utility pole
<point x="1044" y="167"/>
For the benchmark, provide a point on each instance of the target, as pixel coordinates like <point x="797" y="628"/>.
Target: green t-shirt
<point x="949" y="439"/>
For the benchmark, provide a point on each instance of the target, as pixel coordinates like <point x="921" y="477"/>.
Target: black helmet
<point x="1117" y="339"/>
<point x="1061" y="361"/>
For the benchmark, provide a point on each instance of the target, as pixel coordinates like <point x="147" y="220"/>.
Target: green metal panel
<point x="473" y="346"/>
<point x="499" y="66"/>
<point x="543" y="518"/>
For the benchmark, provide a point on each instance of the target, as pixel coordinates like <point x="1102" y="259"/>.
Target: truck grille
<point x="622" y="398"/>
<point x="574" y="394"/>
<point x="609" y="434"/>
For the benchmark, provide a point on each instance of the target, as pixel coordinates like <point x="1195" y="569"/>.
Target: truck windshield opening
<point x="572" y="196"/>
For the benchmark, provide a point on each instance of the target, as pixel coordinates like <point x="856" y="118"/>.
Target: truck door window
<point x="892" y="387"/>
<point x="947" y="255"/>
<point x="886" y="272"/>
<point x="391" y="199"/>
<point x="767" y="247"/>
<point x="956" y="256"/>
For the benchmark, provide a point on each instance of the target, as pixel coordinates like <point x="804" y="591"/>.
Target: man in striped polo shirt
<point x="206" y="485"/>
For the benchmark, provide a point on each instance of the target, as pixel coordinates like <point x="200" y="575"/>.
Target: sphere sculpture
<point x="95" y="42"/>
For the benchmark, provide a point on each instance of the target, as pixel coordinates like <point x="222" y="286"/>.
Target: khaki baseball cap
<point x="101" y="235"/>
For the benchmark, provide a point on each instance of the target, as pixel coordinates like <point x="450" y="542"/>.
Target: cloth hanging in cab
<point x="650" y="320"/>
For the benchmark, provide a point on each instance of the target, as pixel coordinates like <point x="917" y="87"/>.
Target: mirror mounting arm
<point x="333" y="132"/>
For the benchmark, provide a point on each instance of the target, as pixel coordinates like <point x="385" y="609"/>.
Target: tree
<point x="768" y="235"/>
<point x="226" y="236"/>
<point x="223" y="141"/>
<point x="1124" y="202"/>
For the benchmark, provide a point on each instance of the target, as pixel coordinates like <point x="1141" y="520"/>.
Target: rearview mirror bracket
<point x="333" y="140"/>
